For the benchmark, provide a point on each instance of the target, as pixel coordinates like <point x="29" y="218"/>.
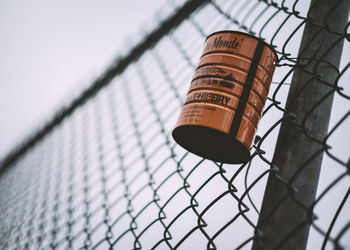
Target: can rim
<point x="245" y="34"/>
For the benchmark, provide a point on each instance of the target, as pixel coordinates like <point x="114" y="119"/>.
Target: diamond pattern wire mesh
<point x="110" y="175"/>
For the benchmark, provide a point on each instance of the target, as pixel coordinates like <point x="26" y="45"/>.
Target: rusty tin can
<point x="224" y="104"/>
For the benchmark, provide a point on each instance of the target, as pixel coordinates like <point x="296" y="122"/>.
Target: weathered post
<point x="286" y="211"/>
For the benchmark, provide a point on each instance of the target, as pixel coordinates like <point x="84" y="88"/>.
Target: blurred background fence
<point x="105" y="172"/>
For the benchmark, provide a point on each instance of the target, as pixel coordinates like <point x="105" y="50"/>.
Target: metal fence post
<point x="286" y="212"/>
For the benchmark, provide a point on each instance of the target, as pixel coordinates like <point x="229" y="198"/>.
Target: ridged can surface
<point x="227" y="94"/>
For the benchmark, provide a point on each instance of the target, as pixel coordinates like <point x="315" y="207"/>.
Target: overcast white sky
<point x="50" y="50"/>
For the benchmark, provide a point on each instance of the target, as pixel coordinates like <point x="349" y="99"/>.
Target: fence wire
<point x="107" y="174"/>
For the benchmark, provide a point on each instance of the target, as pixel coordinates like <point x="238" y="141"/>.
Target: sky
<point x="51" y="50"/>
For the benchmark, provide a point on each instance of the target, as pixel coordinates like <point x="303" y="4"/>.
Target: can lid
<point x="211" y="144"/>
<point x="244" y="34"/>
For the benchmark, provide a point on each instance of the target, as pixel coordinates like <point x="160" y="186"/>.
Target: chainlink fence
<point x="105" y="172"/>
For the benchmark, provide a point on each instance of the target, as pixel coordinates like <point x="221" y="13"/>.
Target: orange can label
<point x="236" y="43"/>
<point x="218" y="76"/>
<point x="214" y="97"/>
<point x="232" y="89"/>
<point x="226" y="96"/>
<point x="206" y="114"/>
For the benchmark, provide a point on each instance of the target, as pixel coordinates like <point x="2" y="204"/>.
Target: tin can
<point x="225" y="101"/>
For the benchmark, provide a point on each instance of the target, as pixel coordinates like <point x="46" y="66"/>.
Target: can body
<point x="223" y="106"/>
